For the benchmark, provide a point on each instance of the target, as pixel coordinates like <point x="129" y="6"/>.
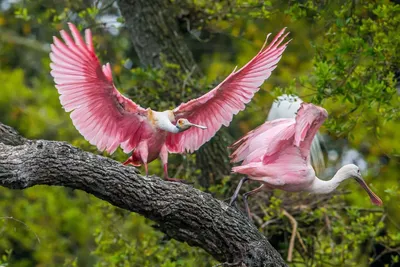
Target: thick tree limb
<point x="182" y="212"/>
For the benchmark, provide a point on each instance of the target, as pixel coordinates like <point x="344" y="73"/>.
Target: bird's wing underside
<point x="282" y="139"/>
<point x="309" y="119"/>
<point x="100" y="113"/>
<point x="264" y="140"/>
<point x="217" y="107"/>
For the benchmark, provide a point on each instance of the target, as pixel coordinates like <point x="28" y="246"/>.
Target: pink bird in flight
<point x="107" y="119"/>
<point x="277" y="154"/>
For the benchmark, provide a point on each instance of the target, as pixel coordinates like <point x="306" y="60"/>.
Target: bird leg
<point x="127" y="162"/>
<point x="246" y="195"/>
<point x="236" y="193"/>
<point x="142" y="152"/>
<point x="146" y="169"/>
<point x="176" y="180"/>
<point x="164" y="160"/>
<point x="133" y="160"/>
<point x="167" y="178"/>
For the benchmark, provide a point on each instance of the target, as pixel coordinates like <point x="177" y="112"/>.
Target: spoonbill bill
<point x="286" y="106"/>
<point x="108" y="119"/>
<point x="277" y="154"/>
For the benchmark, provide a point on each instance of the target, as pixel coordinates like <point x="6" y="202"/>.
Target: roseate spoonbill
<point x="107" y="119"/>
<point x="286" y="106"/>
<point x="277" y="154"/>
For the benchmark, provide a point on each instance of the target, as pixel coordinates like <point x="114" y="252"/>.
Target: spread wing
<point x="298" y="140"/>
<point x="309" y="119"/>
<point x="281" y="139"/>
<point x="99" y="112"/>
<point x="262" y="141"/>
<point x="286" y="106"/>
<point x="217" y="107"/>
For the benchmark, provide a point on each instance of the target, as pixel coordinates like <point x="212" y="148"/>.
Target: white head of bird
<point x="184" y="124"/>
<point x="164" y="121"/>
<point x="344" y="173"/>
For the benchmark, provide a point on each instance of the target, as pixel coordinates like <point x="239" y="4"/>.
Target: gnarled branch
<point x="182" y="212"/>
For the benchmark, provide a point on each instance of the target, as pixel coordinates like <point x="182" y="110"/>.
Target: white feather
<point x="163" y="122"/>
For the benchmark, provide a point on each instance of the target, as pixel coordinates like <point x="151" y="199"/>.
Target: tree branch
<point x="8" y="36"/>
<point x="182" y="212"/>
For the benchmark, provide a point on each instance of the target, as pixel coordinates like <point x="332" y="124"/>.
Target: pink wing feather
<point x="100" y="113"/>
<point x="298" y="139"/>
<point x="217" y="107"/>
<point x="261" y="141"/>
<point x="309" y="119"/>
<point x="280" y="139"/>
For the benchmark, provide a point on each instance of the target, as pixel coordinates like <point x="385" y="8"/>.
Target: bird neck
<point x="163" y="122"/>
<point x="325" y="187"/>
<point x="166" y="125"/>
<point x="173" y="129"/>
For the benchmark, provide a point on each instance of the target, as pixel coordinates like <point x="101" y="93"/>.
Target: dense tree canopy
<point x="344" y="56"/>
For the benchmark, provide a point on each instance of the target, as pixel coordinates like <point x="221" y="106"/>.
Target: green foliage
<point x="157" y="82"/>
<point x="341" y="234"/>
<point x="33" y="112"/>
<point x="123" y="239"/>
<point x="343" y="56"/>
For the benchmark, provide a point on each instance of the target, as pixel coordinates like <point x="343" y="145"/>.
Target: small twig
<point x="329" y="231"/>
<point x="301" y="241"/>
<point x="12" y="37"/>
<point x="292" y="238"/>
<point x="393" y="222"/>
<point x="349" y="72"/>
<point x="12" y="218"/>
<point x="106" y="7"/>
<point x="386" y="251"/>
<point x="180" y="168"/>
<point x="187" y="78"/>
<point x="269" y="222"/>
<point x="328" y="222"/>
<point x="188" y="28"/>
<point x="257" y="218"/>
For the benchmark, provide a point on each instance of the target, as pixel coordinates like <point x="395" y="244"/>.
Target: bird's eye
<point x="358" y="171"/>
<point x="180" y="122"/>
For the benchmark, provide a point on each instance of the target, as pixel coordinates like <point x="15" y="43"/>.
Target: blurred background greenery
<point x="344" y="56"/>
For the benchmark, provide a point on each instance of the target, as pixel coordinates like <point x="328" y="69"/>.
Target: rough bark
<point x="182" y="212"/>
<point x="154" y="32"/>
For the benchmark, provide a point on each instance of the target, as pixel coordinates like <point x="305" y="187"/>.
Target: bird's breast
<point x="151" y="117"/>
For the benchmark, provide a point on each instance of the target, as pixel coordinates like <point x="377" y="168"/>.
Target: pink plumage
<point x="277" y="154"/>
<point x="217" y="107"/>
<point x="100" y="113"/>
<point x="108" y="120"/>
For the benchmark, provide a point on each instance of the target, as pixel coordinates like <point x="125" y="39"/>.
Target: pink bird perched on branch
<point x="277" y="154"/>
<point x="107" y="119"/>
